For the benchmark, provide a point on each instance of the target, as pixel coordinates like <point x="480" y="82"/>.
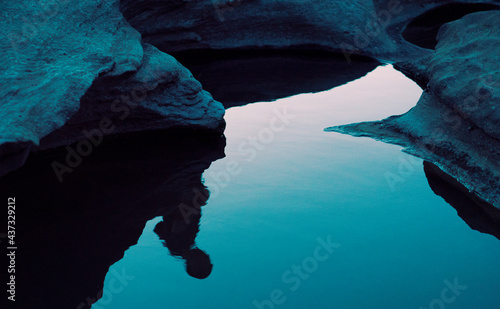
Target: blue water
<point x="394" y="245"/>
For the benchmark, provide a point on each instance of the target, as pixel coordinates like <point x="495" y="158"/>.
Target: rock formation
<point x="455" y="124"/>
<point x="160" y="94"/>
<point x="82" y="71"/>
<point x="333" y="25"/>
<point x="362" y="27"/>
<point x="57" y="53"/>
<point x="76" y="71"/>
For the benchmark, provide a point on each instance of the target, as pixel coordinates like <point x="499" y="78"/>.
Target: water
<point x="274" y="202"/>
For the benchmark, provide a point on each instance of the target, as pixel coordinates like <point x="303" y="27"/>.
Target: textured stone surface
<point x="422" y="31"/>
<point x="49" y="63"/>
<point x="160" y="94"/>
<point x="465" y="72"/>
<point x="224" y="24"/>
<point x="70" y="66"/>
<point x="54" y="52"/>
<point x="455" y="124"/>
<point x="367" y="27"/>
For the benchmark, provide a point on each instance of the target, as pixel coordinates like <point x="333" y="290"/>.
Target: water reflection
<point x="69" y="233"/>
<point x="240" y="77"/>
<point x="178" y="230"/>
<point x="478" y="214"/>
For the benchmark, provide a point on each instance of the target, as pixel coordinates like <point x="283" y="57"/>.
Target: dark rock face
<point x="456" y="121"/>
<point x="332" y="25"/>
<point x="422" y="31"/>
<point x="55" y="53"/>
<point x="371" y="28"/>
<point x="72" y="231"/>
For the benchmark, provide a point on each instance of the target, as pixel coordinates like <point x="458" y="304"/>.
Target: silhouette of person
<point x="178" y="230"/>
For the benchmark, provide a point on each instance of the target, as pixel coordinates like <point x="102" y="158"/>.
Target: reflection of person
<point x="178" y="230"/>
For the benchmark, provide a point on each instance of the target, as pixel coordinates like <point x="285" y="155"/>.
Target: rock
<point x="456" y="123"/>
<point x="75" y="71"/>
<point x="160" y="94"/>
<point x="465" y="72"/>
<point x="52" y="54"/>
<point x="55" y="52"/>
<point x="339" y="26"/>
<point x="369" y="28"/>
<point x="422" y="30"/>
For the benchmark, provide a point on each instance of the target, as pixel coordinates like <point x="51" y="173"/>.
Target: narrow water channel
<point x="302" y="218"/>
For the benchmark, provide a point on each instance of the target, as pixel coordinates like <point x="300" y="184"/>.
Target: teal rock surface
<point x="455" y="124"/>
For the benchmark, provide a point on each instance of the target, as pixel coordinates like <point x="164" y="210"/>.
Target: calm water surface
<point x="285" y="186"/>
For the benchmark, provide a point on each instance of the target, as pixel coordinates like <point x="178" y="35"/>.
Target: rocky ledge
<point x="456" y="122"/>
<point x="371" y="28"/>
<point x="81" y="71"/>
<point x="80" y="68"/>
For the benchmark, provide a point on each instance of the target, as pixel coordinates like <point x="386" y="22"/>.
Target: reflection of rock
<point x="456" y="123"/>
<point x="53" y="53"/>
<point x="178" y="230"/>
<point x="237" y="78"/>
<point x="478" y="214"/>
<point x="70" y="233"/>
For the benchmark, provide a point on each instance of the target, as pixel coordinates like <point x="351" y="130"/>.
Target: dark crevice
<point x="239" y="77"/>
<point x="422" y="30"/>
<point x="209" y="55"/>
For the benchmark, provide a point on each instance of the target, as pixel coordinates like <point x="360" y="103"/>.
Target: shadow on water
<point x="478" y="214"/>
<point x="241" y="77"/>
<point x="69" y="233"/>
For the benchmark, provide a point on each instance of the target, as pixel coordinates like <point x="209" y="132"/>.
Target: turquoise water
<point x="286" y="187"/>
